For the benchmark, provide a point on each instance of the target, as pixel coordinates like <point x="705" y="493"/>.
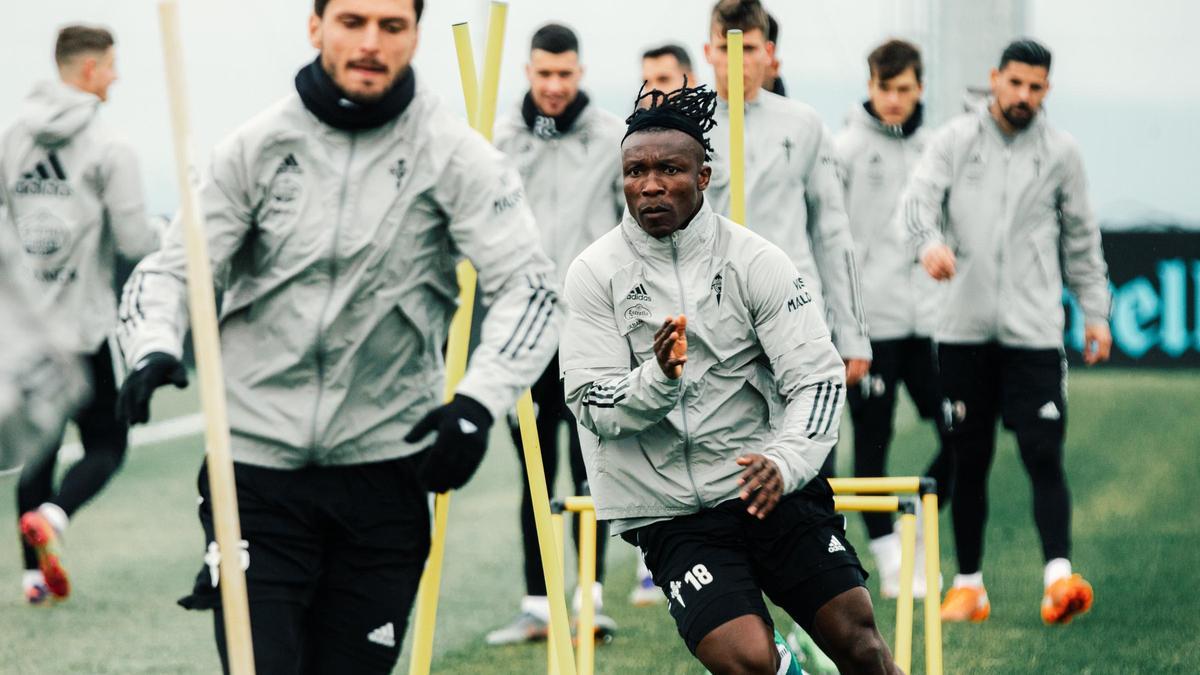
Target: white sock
<point x="1058" y="568"/>
<point x="886" y="550"/>
<point x="968" y="580"/>
<point x="537" y="605"/>
<point x="597" y="598"/>
<point x="57" y="517"/>
<point x="31" y="578"/>
<point x="643" y="572"/>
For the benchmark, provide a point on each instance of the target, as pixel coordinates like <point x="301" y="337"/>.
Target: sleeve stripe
<point x="529" y="314"/>
<point x="837" y="392"/>
<point x="812" y="414"/>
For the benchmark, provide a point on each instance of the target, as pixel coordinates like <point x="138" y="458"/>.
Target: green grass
<point x="1132" y="461"/>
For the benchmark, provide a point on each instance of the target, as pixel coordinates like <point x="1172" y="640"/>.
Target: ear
<point x="529" y="72"/>
<point x="770" y="51"/>
<point x="87" y="68"/>
<point x="314" y="31"/>
<point x="995" y="78"/>
<point x="708" y="52"/>
<point x="705" y="176"/>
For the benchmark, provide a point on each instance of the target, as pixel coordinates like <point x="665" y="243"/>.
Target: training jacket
<point x="1016" y="214"/>
<point x="899" y="297"/>
<point x="762" y="374"/>
<point x="573" y="181"/>
<point x="336" y="252"/>
<point x="76" y="201"/>
<point x="41" y="383"/>
<point x="794" y="199"/>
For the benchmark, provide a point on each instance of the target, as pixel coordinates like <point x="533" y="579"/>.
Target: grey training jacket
<point x="336" y="252"/>
<point x="76" y="202"/>
<point x="794" y="199"/>
<point x="762" y="374"/>
<point x="573" y="181"/>
<point x="876" y="160"/>
<point x="41" y="382"/>
<point x="1017" y="216"/>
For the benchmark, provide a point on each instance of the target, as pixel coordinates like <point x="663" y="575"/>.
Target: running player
<point x="76" y="204"/>
<point x="703" y="435"/>
<point x="335" y="219"/>
<point x="1017" y="224"/>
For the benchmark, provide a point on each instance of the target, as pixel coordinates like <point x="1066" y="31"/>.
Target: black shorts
<point x="714" y="565"/>
<point x="333" y="556"/>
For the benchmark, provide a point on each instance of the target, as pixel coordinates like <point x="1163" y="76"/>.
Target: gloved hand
<point x="462" y="433"/>
<point x="152" y="372"/>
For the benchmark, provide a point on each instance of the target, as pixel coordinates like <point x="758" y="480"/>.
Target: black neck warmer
<point x="544" y="126"/>
<point x="910" y="125"/>
<point x="324" y="99"/>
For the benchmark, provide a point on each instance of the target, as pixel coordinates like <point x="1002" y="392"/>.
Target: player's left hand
<point x="462" y="433"/>
<point x="762" y="484"/>
<point x="1097" y="343"/>
<point x="856" y="370"/>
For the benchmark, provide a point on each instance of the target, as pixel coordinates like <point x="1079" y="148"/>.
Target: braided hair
<point x="687" y="109"/>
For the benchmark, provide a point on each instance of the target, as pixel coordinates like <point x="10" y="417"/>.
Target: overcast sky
<point x="1124" y="76"/>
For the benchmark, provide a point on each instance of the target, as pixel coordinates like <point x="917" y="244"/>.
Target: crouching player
<point x="703" y="436"/>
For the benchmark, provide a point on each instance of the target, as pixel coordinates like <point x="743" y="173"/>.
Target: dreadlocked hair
<point x="687" y="109"/>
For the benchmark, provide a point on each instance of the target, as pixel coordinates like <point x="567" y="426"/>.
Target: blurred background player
<point x="664" y="68"/>
<point x="883" y="139"/>
<point x="696" y="396"/>
<point x="1017" y="223"/>
<point x="793" y="194"/>
<point x="335" y="220"/>
<point x="565" y="150"/>
<point x="76" y="203"/>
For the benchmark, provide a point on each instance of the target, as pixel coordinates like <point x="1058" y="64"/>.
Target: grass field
<point x="1133" y="463"/>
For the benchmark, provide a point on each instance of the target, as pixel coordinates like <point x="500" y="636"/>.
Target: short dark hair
<point x="555" y="38"/>
<point x="772" y="29"/>
<point x="744" y="15"/>
<point x="893" y="58"/>
<point x="678" y="52"/>
<point x="319" y="7"/>
<point x="1027" y="51"/>
<point x="77" y="39"/>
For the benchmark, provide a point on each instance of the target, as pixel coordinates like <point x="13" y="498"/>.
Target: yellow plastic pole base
<point x="586" y="630"/>
<point x="933" y="573"/>
<point x="904" y="603"/>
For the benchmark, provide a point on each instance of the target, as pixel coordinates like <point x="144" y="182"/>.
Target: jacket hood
<point x="55" y="112"/>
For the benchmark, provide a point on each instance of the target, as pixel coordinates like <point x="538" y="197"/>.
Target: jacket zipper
<point x="333" y="275"/>
<point x="1006" y="223"/>
<point x="687" y="440"/>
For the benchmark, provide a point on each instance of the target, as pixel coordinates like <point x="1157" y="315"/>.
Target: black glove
<point x="462" y="434"/>
<point x="152" y="372"/>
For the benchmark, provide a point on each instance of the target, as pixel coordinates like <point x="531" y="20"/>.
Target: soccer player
<point x="563" y="146"/>
<point x="793" y="194"/>
<point x="882" y="141"/>
<point x="1017" y="223"/>
<point x="706" y="389"/>
<point x="665" y="68"/>
<point x="75" y="201"/>
<point x="335" y="219"/>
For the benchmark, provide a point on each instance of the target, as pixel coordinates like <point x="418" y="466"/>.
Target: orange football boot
<point x="1065" y="599"/>
<point x="40" y="534"/>
<point x="966" y="603"/>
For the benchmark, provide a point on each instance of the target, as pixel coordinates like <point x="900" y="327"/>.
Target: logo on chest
<point x="717" y="286"/>
<point x="638" y="293"/>
<point x="399" y="170"/>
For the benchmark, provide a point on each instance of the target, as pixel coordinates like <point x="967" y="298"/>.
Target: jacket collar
<point x="683" y="243"/>
<point x="864" y="114"/>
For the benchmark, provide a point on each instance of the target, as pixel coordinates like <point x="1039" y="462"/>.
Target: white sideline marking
<point x="166" y="430"/>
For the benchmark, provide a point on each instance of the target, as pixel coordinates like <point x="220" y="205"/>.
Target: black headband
<point x="689" y="110"/>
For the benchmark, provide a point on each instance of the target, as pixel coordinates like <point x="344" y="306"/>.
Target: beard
<point x="359" y="97"/>
<point x="1019" y="115"/>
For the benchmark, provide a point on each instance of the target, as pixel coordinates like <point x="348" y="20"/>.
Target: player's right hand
<point x="670" y="346"/>
<point x="462" y="434"/>
<point x="152" y="372"/>
<point x="939" y="262"/>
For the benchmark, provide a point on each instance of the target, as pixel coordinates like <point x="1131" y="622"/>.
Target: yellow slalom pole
<point x="486" y="121"/>
<point x="425" y="617"/>
<point x="886" y="484"/>
<point x="933" y="573"/>
<point x="904" y="603"/>
<point x="207" y="347"/>
<point x="466" y="71"/>
<point x="557" y="523"/>
<point x="587" y="605"/>
<point x="737" y="128"/>
<point x="873" y="503"/>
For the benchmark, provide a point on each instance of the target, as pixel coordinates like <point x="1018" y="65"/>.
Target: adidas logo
<point x="638" y="293"/>
<point x="289" y="165"/>
<point x="1049" y="411"/>
<point x="466" y="426"/>
<point x="384" y="635"/>
<point x="835" y="545"/>
<point x="47" y="178"/>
